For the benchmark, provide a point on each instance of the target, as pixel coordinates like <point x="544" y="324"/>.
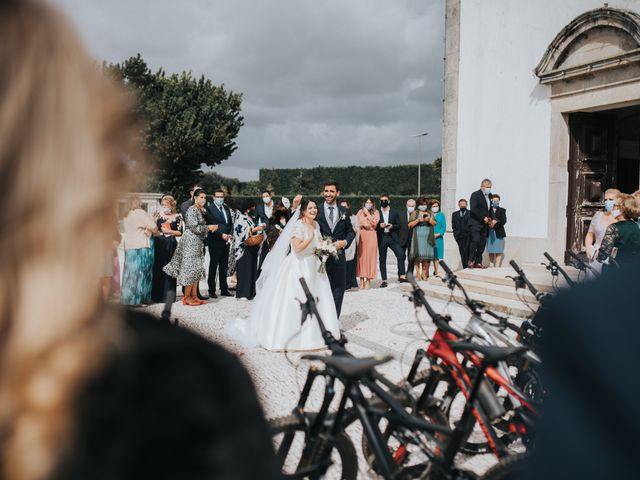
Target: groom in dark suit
<point x="335" y="222"/>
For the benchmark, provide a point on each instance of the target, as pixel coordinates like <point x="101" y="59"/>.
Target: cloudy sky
<point x="325" y="82"/>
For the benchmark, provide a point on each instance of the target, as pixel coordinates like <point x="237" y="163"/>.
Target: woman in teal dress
<point x="438" y="233"/>
<point x="421" y="251"/>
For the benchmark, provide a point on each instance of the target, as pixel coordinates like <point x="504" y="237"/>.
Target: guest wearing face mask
<point x="479" y="223"/>
<point x="218" y="242"/>
<point x="421" y="251"/>
<point x="261" y="216"/>
<point x="169" y="223"/>
<point x="460" y="227"/>
<point x="621" y="242"/>
<point x="404" y="232"/>
<point x="388" y="238"/>
<point x="597" y="228"/>
<point x="368" y="219"/>
<point x="350" y="253"/>
<point x="495" y="242"/>
<point x="438" y="234"/>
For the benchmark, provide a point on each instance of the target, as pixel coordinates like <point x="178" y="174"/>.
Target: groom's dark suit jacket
<point x="336" y="269"/>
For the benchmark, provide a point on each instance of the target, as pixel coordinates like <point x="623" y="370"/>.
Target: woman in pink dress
<point x="367" y="268"/>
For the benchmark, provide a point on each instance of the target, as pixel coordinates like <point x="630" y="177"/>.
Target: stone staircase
<point x="492" y="287"/>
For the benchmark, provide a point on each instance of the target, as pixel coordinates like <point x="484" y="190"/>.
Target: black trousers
<point x="479" y="236"/>
<point x="219" y="263"/>
<point x="410" y="263"/>
<point x="337" y="273"/>
<point x="387" y="241"/>
<point x="247" y="273"/>
<point x="463" y="248"/>
<point x="263" y="255"/>
<point x="352" y="282"/>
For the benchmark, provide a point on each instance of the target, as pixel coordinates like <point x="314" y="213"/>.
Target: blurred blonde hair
<point x="629" y="206"/>
<point x="133" y="203"/>
<point x="613" y="191"/>
<point x="62" y="134"/>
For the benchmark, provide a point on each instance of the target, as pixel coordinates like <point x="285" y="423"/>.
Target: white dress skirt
<point x="275" y="319"/>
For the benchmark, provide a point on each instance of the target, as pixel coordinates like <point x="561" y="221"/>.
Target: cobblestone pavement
<point x="375" y="321"/>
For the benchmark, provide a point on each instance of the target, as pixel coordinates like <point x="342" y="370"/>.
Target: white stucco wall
<point x="503" y="111"/>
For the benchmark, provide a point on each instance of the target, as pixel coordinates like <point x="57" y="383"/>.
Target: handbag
<point x="254" y="240"/>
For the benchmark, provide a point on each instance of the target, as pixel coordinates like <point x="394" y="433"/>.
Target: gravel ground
<point x="375" y="321"/>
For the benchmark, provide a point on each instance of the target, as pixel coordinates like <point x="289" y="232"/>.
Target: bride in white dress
<point x="274" y="322"/>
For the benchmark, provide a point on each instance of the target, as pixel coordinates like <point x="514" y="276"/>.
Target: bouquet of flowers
<point x="323" y="251"/>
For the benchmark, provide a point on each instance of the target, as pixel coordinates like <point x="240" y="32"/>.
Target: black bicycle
<point x="310" y="444"/>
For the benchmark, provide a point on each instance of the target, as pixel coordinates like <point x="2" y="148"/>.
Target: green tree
<point x="187" y="122"/>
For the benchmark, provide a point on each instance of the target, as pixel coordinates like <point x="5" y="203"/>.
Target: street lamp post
<point x="419" y="137"/>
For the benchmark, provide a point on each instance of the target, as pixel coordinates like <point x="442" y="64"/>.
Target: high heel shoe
<point x="184" y="300"/>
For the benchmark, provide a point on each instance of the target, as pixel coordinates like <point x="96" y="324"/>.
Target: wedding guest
<point x="246" y="255"/>
<point x="439" y="230"/>
<point x="495" y="242"/>
<point x="91" y="390"/>
<point x="479" y="223"/>
<point x="388" y="238"/>
<point x="169" y="221"/>
<point x="621" y="242"/>
<point x="187" y="263"/>
<point x="139" y="228"/>
<point x="421" y="251"/>
<point x="184" y="206"/>
<point x="277" y="222"/>
<point x="636" y="194"/>
<point x="219" y="214"/>
<point x="404" y="232"/>
<point x="350" y="253"/>
<point x="598" y="226"/>
<point x="261" y="216"/>
<point x="461" y="234"/>
<point x="368" y="219"/>
<point x="232" y="203"/>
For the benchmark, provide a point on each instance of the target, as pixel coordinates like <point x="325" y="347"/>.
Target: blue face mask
<point x="608" y="205"/>
<point x="219" y="202"/>
<point x="422" y="208"/>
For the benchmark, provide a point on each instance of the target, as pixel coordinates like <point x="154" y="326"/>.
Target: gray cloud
<point x="330" y="82"/>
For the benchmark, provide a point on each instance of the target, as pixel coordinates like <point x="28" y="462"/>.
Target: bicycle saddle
<point x="350" y="366"/>
<point x="491" y="354"/>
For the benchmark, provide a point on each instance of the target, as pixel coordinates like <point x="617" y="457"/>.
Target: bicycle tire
<point x="433" y="414"/>
<point x="509" y="468"/>
<point x="342" y="445"/>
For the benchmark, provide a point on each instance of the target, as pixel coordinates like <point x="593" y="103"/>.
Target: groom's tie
<point x="331" y="218"/>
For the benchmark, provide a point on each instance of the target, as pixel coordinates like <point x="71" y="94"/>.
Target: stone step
<point x="541" y="278"/>
<point x="491" y="289"/>
<point x="497" y="304"/>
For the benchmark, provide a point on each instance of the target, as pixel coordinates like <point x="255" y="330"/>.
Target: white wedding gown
<point x="274" y="322"/>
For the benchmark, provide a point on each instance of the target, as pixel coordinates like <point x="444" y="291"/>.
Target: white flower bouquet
<point x="323" y="251"/>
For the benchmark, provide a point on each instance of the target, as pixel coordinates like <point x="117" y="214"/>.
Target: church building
<point x="543" y="98"/>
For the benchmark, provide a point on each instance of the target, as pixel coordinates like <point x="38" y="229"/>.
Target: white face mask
<point x="166" y="210"/>
<point x="435" y="209"/>
<point x="486" y="190"/>
<point x="368" y="206"/>
<point x="615" y="213"/>
<point x="411" y="209"/>
<point x="286" y="203"/>
<point x="266" y="200"/>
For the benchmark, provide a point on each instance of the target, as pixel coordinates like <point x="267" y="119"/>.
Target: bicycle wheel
<point x="289" y="437"/>
<point x="407" y="454"/>
<point x="509" y="468"/>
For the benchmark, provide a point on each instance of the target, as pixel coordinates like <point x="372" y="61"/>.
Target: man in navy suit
<point x="460" y="227"/>
<point x="479" y="221"/>
<point x="335" y="222"/>
<point x="219" y="214"/>
<point x="388" y="238"/>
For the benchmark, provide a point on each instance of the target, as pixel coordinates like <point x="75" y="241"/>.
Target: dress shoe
<point x="470" y="265"/>
<point x="383" y="284"/>
<point x="203" y="297"/>
<point x="478" y="265"/>
<point x="226" y="294"/>
<point x="213" y="295"/>
<point x="402" y="280"/>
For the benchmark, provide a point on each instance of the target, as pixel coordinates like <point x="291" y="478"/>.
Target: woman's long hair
<point x="62" y="138"/>
<point x="373" y="210"/>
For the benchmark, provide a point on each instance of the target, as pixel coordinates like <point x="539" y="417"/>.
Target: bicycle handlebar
<point x="582" y="265"/>
<point x="420" y="299"/>
<point x="309" y="308"/>
<point x="554" y="264"/>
